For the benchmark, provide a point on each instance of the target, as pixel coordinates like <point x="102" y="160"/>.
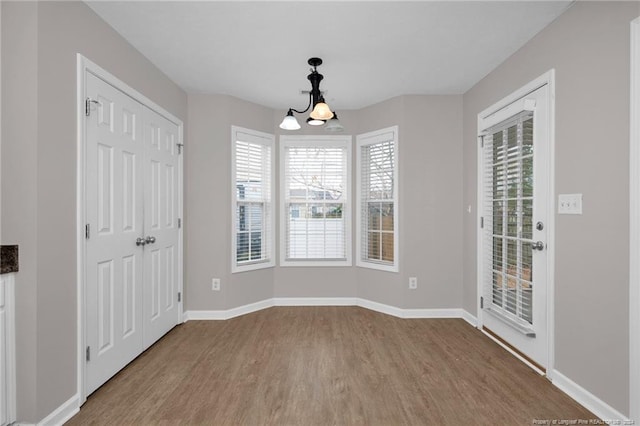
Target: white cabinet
<point x="7" y="350"/>
<point x="3" y="349"/>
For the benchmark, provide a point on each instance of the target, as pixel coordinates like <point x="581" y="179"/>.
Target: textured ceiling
<point x="372" y="51"/>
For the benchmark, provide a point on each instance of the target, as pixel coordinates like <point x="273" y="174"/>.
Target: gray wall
<point x="430" y="193"/>
<point x="589" y="48"/>
<point x="40" y="42"/>
<point x="19" y="182"/>
<point x="208" y="204"/>
<point x="430" y="207"/>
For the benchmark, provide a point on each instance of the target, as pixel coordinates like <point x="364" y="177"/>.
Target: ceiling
<point x="372" y="50"/>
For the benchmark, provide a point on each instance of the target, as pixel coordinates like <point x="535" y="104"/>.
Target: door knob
<point x="538" y="245"/>
<point x="140" y="241"/>
<point x="150" y="240"/>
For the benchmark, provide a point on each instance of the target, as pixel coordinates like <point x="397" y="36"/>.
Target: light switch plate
<point x="569" y="203"/>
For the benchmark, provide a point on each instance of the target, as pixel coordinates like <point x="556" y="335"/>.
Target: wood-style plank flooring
<point x="326" y="366"/>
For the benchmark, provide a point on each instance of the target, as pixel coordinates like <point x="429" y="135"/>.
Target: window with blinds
<point x="253" y="209"/>
<point x="315" y="225"/>
<point x="377" y="228"/>
<point x="508" y="216"/>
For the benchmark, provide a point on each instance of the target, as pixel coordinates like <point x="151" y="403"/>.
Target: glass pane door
<point x="510" y="151"/>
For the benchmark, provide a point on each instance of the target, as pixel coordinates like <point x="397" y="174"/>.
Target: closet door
<point x="161" y="262"/>
<point x="114" y="212"/>
<point x="132" y="258"/>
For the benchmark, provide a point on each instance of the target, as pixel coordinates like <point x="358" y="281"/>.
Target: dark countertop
<point x="8" y="259"/>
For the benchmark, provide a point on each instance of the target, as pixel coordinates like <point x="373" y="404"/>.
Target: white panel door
<point x="114" y="213"/>
<point x="515" y="180"/>
<point x="161" y="261"/>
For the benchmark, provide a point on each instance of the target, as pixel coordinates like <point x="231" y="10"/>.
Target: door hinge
<point x="179" y="223"/>
<point x="481" y="302"/>
<point x="87" y="105"/>
<point x="179" y="296"/>
<point x="482" y="142"/>
<point x="88" y="356"/>
<point x="87" y="231"/>
<point x="481" y="222"/>
<point x="180" y="145"/>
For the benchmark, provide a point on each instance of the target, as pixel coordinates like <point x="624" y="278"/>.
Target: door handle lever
<point x="150" y="240"/>
<point x="140" y="241"/>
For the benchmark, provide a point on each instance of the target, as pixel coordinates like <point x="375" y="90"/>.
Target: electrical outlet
<point x="215" y="284"/>
<point x="413" y="283"/>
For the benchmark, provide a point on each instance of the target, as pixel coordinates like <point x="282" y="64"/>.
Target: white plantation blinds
<point x="377" y="206"/>
<point x="315" y="196"/>
<point x="507" y="213"/>
<point x="253" y="191"/>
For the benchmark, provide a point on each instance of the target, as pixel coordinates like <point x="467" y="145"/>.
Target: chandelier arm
<point x="308" y="106"/>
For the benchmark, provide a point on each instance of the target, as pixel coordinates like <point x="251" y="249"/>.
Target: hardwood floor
<point x="326" y="366"/>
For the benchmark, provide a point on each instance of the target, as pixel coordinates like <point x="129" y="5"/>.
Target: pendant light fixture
<point x="320" y="111"/>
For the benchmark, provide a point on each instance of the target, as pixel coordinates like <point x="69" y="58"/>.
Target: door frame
<point x="634" y="225"/>
<point x="83" y="66"/>
<point x="548" y="79"/>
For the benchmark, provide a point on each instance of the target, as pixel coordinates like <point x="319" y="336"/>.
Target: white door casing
<point x="114" y="203"/>
<point x="117" y="154"/>
<point x="508" y="269"/>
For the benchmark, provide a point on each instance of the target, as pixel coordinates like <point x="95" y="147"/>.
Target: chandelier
<point x="320" y="111"/>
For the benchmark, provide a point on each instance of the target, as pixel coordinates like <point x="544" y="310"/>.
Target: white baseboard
<point x="63" y="413"/>
<point x="228" y="313"/>
<point x="381" y="307"/>
<point x="329" y="301"/>
<point x="469" y="318"/>
<point x="585" y="398"/>
<point x="414" y="313"/>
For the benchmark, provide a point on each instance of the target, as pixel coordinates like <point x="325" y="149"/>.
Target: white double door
<point x="132" y="253"/>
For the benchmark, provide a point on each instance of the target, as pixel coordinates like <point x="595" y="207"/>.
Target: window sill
<point x="252" y="266"/>
<point x="315" y="263"/>
<point x="378" y="266"/>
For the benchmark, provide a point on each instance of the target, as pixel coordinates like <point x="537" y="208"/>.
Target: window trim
<point x="269" y="140"/>
<point x="342" y="141"/>
<point x="362" y="140"/>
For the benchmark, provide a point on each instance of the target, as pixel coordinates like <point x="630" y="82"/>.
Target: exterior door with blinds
<point x="514" y="180"/>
